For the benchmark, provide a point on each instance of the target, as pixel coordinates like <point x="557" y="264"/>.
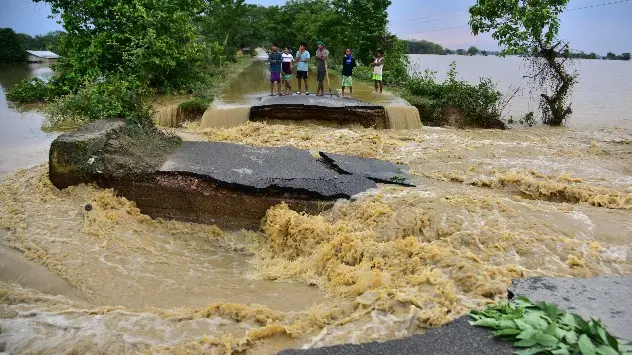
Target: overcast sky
<point x="592" y="29"/>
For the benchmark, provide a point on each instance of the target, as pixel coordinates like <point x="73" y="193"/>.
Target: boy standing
<point x="286" y="69"/>
<point x="321" y="67"/>
<point x="302" y="68"/>
<point x="348" y="63"/>
<point x="378" y="69"/>
<point x="275" y="61"/>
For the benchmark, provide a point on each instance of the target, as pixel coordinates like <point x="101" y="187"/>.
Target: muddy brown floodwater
<point x="489" y="206"/>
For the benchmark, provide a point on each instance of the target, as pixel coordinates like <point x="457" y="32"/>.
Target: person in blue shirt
<point x="302" y="68"/>
<point x="275" y="60"/>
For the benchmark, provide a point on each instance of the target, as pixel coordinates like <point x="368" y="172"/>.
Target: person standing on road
<point x="275" y="59"/>
<point x="348" y="63"/>
<point x="322" y="55"/>
<point x="302" y="68"/>
<point x="378" y="69"/>
<point x="286" y="68"/>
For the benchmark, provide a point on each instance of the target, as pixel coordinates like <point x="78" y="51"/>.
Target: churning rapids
<point x="490" y="206"/>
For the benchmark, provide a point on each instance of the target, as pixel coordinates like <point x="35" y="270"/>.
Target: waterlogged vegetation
<point x="543" y="328"/>
<point x="455" y="102"/>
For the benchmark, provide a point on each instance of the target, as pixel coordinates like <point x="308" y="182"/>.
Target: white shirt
<point x="377" y="70"/>
<point x="287" y="58"/>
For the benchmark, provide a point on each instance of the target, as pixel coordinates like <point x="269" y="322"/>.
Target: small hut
<point x="41" y="57"/>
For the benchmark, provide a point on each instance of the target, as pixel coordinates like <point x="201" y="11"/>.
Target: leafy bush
<point x="543" y="328"/>
<point x="111" y="97"/>
<point x="29" y="90"/>
<point x="479" y="105"/>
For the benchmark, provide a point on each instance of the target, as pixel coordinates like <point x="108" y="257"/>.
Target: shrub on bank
<point x="110" y="97"/>
<point x="455" y="102"/>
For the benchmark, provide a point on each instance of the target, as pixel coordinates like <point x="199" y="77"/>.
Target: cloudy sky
<point x="588" y="26"/>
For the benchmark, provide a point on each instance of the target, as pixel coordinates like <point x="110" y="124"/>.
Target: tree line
<point x="13" y="45"/>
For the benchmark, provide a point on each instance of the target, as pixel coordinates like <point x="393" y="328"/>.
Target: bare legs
<point x="300" y="88"/>
<point x="378" y="85"/>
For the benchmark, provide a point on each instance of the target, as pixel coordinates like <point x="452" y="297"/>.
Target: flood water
<point x="603" y="96"/>
<point x="389" y="263"/>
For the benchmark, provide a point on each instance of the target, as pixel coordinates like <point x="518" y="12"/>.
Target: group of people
<point x="282" y="66"/>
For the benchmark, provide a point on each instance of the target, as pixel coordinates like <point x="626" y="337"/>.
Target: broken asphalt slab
<point x="374" y="169"/>
<point x="605" y="298"/>
<point x="456" y="338"/>
<point x="231" y="185"/>
<point x="317" y="109"/>
<point x="260" y="169"/>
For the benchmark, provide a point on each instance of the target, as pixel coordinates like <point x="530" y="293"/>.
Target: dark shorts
<point x="301" y="74"/>
<point x="275" y="77"/>
<point x="320" y="75"/>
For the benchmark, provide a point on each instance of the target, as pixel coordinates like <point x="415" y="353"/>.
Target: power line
<point x="439" y="14"/>
<point x="573" y="9"/>
<point x="598" y="5"/>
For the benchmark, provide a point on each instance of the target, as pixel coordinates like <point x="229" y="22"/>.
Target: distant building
<point x="41" y="57"/>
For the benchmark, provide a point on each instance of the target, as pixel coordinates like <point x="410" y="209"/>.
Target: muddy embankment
<point x="488" y="206"/>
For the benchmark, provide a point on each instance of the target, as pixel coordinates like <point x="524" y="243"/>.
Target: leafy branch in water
<point x="543" y="328"/>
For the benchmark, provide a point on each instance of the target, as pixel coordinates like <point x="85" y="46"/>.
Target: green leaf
<point x="530" y="351"/>
<point x="527" y="334"/>
<point x="561" y="351"/>
<point x="586" y="346"/>
<point x="581" y="324"/>
<point x="546" y="339"/>
<point x="507" y="323"/>
<point x="535" y="321"/>
<point x="503" y="332"/>
<point x="522" y="325"/>
<point x="571" y="337"/>
<point x="526" y="343"/>
<point x="606" y="350"/>
<point x="486" y="322"/>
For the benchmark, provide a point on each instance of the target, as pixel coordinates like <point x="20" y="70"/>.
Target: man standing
<point x="275" y="59"/>
<point x="302" y="68"/>
<point x="322" y="55"/>
<point x="378" y="69"/>
<point x="348" y="63"/>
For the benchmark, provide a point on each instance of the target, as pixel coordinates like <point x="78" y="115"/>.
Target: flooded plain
<point x="489" y="206"/>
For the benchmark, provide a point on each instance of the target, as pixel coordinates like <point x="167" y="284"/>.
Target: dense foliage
<point x="530" y="28"/>
<point x="543" y="328"/>
<point x="47" y="42"/>
<point x="11" y="47"/>
<point x="472" y="105"/>
<point x="424" y="47"/>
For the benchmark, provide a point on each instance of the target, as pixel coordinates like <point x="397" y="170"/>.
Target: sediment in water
<point x="403" y="117"/>
<point x="225" y="117"/>
<point x="393" y="261"/>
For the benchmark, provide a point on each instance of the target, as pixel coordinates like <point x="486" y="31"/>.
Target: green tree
<point x="157" y="42"/>
<point x="11" y="47"/>
<point x="472" y="51"/>
<point x="365" y="21"/>
<point x="611" y="56"/>
<point x="461" y="51"/>
<point x="484" y="53"/>
<point x="424" y="47"/>
<point x="624" y="56"/>
<point x="530" y="27"/>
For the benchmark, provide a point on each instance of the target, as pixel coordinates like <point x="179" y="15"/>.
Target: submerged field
<point x="489" y="206"/>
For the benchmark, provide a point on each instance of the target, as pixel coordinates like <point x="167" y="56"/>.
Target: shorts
<point x="347" y="81"/>
<point x="287" y="77"/>
<point x="275" y="77"/>
<point x="377" y="77"/>
<point x="320" y="75"/>
<point x="301" y="74"/>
